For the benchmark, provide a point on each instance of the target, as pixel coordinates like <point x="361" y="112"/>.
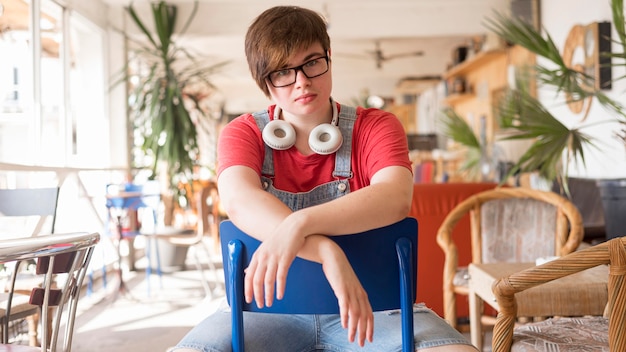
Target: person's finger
<point x="362" y="330"/>
<point x="258" y="281"/>
<point x="249" y="274"/>
<point x="343" y="313"/>
<point x="281" y="280"/>
<point x="370" y="328"/>
<point x="269" y="283"/>
<point x="353" y="322"/>
<point x="365" y="322"/>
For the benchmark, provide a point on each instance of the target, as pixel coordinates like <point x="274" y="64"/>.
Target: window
<point x="52" y="93"/>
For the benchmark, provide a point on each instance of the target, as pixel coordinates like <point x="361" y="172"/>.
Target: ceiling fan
<point x="379" y="57"/>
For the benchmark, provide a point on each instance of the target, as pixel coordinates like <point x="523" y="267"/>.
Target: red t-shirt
<point x="378" y="141"/>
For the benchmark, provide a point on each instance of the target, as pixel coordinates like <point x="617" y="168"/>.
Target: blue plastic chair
<point x="384" y="259"/>
<point x="137" y="196"/>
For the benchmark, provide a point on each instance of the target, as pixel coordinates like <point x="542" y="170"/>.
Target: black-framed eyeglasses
<point x="287" y="76"/>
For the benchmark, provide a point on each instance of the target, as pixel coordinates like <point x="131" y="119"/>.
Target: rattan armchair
<point x="507" y="225"/>
<point x="612" y="253"/>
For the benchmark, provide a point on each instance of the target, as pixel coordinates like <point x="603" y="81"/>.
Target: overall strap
<point x="343" y="166"/>
<point x="262" y="118"/>
<point x="343" y="157"/>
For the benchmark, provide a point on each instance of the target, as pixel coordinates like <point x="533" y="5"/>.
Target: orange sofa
<point x="431" y="203"/>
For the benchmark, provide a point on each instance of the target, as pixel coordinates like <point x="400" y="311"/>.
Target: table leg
<point x="476" y="328"/>
<point x="122" y="289"/>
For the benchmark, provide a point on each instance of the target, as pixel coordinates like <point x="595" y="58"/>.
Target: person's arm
<point x="285" y="234"/>
<point x="386" y="200"/>
<point x="263" y="216"/>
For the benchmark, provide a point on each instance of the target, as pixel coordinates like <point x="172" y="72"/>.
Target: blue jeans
<point x="308" y="333"/>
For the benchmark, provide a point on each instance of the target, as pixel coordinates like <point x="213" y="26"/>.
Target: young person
<point x="300" y="171"/>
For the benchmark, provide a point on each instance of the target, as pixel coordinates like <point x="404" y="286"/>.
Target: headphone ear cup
<point x="279" y="135"/>
<point x="325" y="139"/>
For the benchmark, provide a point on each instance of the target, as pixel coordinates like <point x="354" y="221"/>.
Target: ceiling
<point x="357" y="28"/>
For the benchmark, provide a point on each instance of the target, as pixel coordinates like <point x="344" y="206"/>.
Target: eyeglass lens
<point x="311" y="69"/>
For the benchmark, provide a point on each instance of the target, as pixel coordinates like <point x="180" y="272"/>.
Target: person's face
<point x="305" y="95"/>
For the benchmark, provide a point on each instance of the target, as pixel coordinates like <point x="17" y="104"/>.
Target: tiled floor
<point x="143" y="323"/>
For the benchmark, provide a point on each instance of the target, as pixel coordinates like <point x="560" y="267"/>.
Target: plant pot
<point x="172" y="256"/>
<point x="613" y="194"/>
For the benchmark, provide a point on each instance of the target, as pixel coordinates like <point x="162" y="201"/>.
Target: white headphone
<point x="324" y="139"/>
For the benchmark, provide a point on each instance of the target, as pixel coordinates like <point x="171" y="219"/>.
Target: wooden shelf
<point x="468" y="65"/>
<point x="456" y="98"/>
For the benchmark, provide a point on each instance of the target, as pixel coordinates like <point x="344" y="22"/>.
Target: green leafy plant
<point x="167" y="84"/>
<point x="555" y="145"/>
<point x="456" y="128"/>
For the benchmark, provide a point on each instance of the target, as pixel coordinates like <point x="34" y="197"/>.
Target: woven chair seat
<point x="585" y="334"/>
<point x="597" y="333"/>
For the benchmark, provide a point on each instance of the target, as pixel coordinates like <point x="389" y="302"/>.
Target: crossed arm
<point x="285" y="234"/>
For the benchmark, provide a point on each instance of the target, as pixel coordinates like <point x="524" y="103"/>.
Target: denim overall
<point x="322" y="193"/>
<point x="313" y="333"/>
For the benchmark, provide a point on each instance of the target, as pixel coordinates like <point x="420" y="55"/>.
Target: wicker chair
<point x="507" y="225"/>
<point x="590" y="333"/>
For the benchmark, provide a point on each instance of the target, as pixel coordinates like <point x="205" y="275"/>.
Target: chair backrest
<point x="205" y="205"/>
<point x="611" y="252"/>
<point x="518" y="230"/>
<point x="26" y="202"/>
<point x="515" y="224"/>
<point x="384" y="260"/>
<point x="133" y="195"/>
<point x="62" y="261"/>
<point x="129" y="199"/>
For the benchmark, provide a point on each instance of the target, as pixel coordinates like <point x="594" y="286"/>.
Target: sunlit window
<point x="52" y="87"/>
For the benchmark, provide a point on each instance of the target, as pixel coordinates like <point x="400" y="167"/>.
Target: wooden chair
<point x="62" y="262"/>
<point x="17" y="204"/>
<point x="210" y="212"/>
<point x="383" y="259"/>
<point x="507" y="225"/>
<point x="204" y="228"/>
<point x="128" y="200"/>
<point x="587" y="333"/>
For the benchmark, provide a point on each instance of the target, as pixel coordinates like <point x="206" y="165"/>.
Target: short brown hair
<point x="276" y="34"/>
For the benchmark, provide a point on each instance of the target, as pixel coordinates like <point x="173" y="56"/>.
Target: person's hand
<point x="269" y="266"/>
<point x="354" y="306"/>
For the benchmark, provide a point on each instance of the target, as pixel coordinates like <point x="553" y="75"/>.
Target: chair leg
<point x="209" y="254"/>
<point x="449" y="307"/>
<point x="205" y="283"/>
<point x="33" y="333"/>
<point x="158" y="260"/>
<point x="476" y="309"/>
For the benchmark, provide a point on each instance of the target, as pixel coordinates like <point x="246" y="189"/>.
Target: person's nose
<point x="301" y="78"/>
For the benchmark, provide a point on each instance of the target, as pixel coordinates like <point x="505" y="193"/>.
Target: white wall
<point x="609" y="159"/>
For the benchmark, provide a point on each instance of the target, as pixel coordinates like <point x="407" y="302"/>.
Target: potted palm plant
<point x="167" y="83"/>
<point x="168" y="86"/>
<point x="556" y="145"/>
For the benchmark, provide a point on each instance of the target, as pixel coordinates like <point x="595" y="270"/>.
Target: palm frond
<point x="529" y="119"/>
<point x="522" y="33"/>
<point x="139" y="23"/>
<point x="458" y="129"/>
<point x="455" y="127"/>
